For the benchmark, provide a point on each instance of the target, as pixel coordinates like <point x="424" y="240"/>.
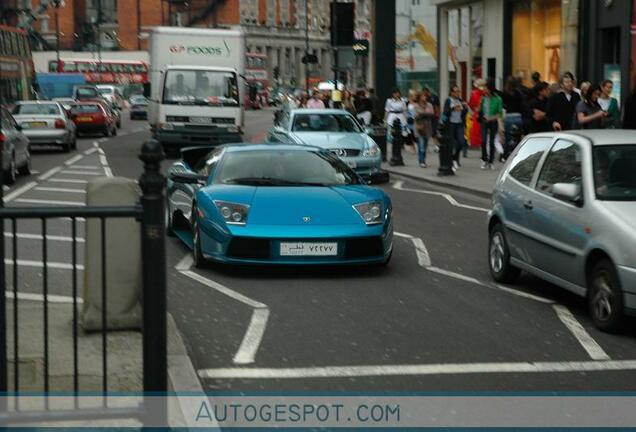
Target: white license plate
<point x="201" y="120"/>
<point x="309" y="249"/>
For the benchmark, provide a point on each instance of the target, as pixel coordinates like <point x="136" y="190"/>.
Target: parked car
<point x="92" y="117"/>
<point x="138" y="107"/>
<point x="16" y="155"/>
<point x="111" y="94"/>
<point x="276" y="204"/>
<point x="565" y="210"/>
<point x="46" y="123"/>
<point x="67" y="103"/>
<point x="334" y="130"/>
<point x="86" y="92"/>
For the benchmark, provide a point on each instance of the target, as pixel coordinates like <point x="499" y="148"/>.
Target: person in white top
<point x="395" y="108"/>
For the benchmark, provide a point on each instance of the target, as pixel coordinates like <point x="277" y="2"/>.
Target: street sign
<point x="361" y="47"/>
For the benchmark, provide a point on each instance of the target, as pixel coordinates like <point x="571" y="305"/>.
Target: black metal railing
<point x="149" y="212"/>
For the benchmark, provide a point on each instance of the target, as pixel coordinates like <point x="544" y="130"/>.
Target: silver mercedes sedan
<point x="46" y="123"/>
<point x="564" y="209"/>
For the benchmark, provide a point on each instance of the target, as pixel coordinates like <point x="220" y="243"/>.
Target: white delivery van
<point x="196" y="81"/>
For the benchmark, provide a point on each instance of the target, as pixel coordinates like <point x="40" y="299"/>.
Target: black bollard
<point x="396" y="147"/>
<point x="445" y="152"/>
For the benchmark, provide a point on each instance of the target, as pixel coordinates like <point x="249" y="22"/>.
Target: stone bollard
<point x="123" y="258"/>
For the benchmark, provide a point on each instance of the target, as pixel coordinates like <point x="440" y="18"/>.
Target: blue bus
<point x="58" y="85"/>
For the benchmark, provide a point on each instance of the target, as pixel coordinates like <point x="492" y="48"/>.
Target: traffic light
<point x="276" y="72"/>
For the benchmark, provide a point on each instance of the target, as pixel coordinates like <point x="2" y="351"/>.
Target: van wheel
<point x="499" y="257"/>
<point x="605" y="297"/>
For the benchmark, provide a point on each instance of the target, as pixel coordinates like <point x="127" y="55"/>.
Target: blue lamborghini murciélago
<point x="276" y="204"/>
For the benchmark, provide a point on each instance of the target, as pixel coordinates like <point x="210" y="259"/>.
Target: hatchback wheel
<point x="197" y="255"/>
<point x="26" y="168"/>
<point x="499" y="257"/>
<point x="11" y="173"/>
<point x="605" y="297"/>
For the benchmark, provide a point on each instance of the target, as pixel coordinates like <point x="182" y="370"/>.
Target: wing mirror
<point x="188" y="178"/>
<point x="570" y="192"/>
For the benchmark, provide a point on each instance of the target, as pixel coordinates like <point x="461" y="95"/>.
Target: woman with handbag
<point x="424" y="113"/>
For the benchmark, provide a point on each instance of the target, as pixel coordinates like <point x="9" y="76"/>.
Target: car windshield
<point x="41" y="109"/>
<point x="86" y="93"/>
<point x="284" y="168"/>
<point x="78" y="109"/>
<point x="614" y="173"/>
<point x="138" y="101"/>
<point x="105" y="90"/>
<point x="325" y="123"/>
<point x="189" y="87"/>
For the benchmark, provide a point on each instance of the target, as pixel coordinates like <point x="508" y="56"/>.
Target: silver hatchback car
<point x="564" y="209"/>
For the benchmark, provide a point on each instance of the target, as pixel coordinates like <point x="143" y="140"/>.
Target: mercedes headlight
<point x="372" y="151"/>
<point x="233" y="213"/>
<point x="370" y="212"/>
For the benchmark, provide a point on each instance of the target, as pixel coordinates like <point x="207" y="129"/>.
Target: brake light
<point x="60" y="124"/>
<point x="2" y="138"/>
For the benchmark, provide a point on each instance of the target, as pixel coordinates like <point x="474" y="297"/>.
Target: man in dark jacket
<point x="562" y="105"/>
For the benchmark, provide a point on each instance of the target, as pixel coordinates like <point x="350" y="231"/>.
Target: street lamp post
<point x="56" y="4"/>
<point x="307" y="46"/>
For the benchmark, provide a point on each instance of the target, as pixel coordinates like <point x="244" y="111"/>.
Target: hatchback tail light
<point x="60" y="124"/>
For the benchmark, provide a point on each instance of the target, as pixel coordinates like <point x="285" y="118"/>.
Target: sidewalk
<point x="469" y="177"/>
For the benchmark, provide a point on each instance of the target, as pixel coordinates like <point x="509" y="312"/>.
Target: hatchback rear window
<point x="85" y="109"/>
<point x="41" y="109"/>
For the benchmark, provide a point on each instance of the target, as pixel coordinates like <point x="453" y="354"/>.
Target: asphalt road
<point x="431" y="321"/>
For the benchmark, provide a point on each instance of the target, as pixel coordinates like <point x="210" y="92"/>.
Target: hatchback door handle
<point x="528" y="205"/>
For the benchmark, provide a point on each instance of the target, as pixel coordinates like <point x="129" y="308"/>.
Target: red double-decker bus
<point x="124" y="72"/>
<point x="17" y="73"/>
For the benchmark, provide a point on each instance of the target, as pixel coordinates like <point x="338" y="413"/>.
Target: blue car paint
<point x="276" y="213"/>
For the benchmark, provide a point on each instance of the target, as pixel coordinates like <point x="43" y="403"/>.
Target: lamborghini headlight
<point x="370" y="212"/>
<point x="233" y="213"/>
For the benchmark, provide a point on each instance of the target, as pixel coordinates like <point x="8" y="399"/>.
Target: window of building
<point x="271" y="12"/>
<point x="249" y="11"/>
<point x="284" y="12"/>
<point x="544" y="34"/>
<point x="44" y="24"/>
<point x="300" y="13"/>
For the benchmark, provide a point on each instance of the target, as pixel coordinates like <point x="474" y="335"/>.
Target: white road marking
<point x="50" y="202"/>
<point x="399" y="185"/>
<point x="86" y="173"/>
<point x="414" y="370"/>
<point x="87" y="167"/>
<point x="90" y="151"/>
<point x="423" y="258"/>
<point x="49" y="264"/>
<point x="399" y="234"/>
<point x="64" y="180"/>
<point x="39" y="237"/>
<point x="64" y="190"/>
<point x="108" y="172"/>
<point x="456" y="275"/>
<point x="587" y="342"/>
<point x="16" y="193"/>
<point x="101" y="140"/>
<point x="258" y="322"/>
<point x="223" y="289"/>
<point x="102" y="160"/>
<point x="252" y="338"/>
<point x="50" y="173"/>
<point x="51" y="298"/>
<point x="73" y="159"/>
<point x="524" y="294"/>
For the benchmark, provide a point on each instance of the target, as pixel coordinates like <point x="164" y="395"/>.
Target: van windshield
<point x="190" y="87"/>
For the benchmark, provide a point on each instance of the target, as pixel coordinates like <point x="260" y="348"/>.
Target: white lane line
<point x="423" y="257"/>
<point x="40" y="264"/>
<point x="63" y="190"/>
<point x="101" y="140"/>
<point x="76" y="172"/>
<point x="587" y="342"/>
<point x="456" y="275"/>
<point x="27" y="236"/>
<point x="73" y="159"/>
<point x="50" y="173"/>
<point x="223" y="289"/>
<point x="108" y="172"/>
<point x="399" y="234"/>
<point x="86" y="167"/>
<point x="524" y="294"/>
<point x="399" y="185"/>
<point x="50" y="202"/>
<point x="51" y="298"/>
<point x="252" y="338"/>
<point x="90" y="151"/>
<point x="424" y="369"/>
<point x="65" y="180"/>
<point x="22" y="190"/>
<point x="102" y="159"/>
<point x="258" y="322"/>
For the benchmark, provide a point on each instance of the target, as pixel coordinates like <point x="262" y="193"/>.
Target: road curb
<point x="182" y="378"/>
<point x="459" y="188"/>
